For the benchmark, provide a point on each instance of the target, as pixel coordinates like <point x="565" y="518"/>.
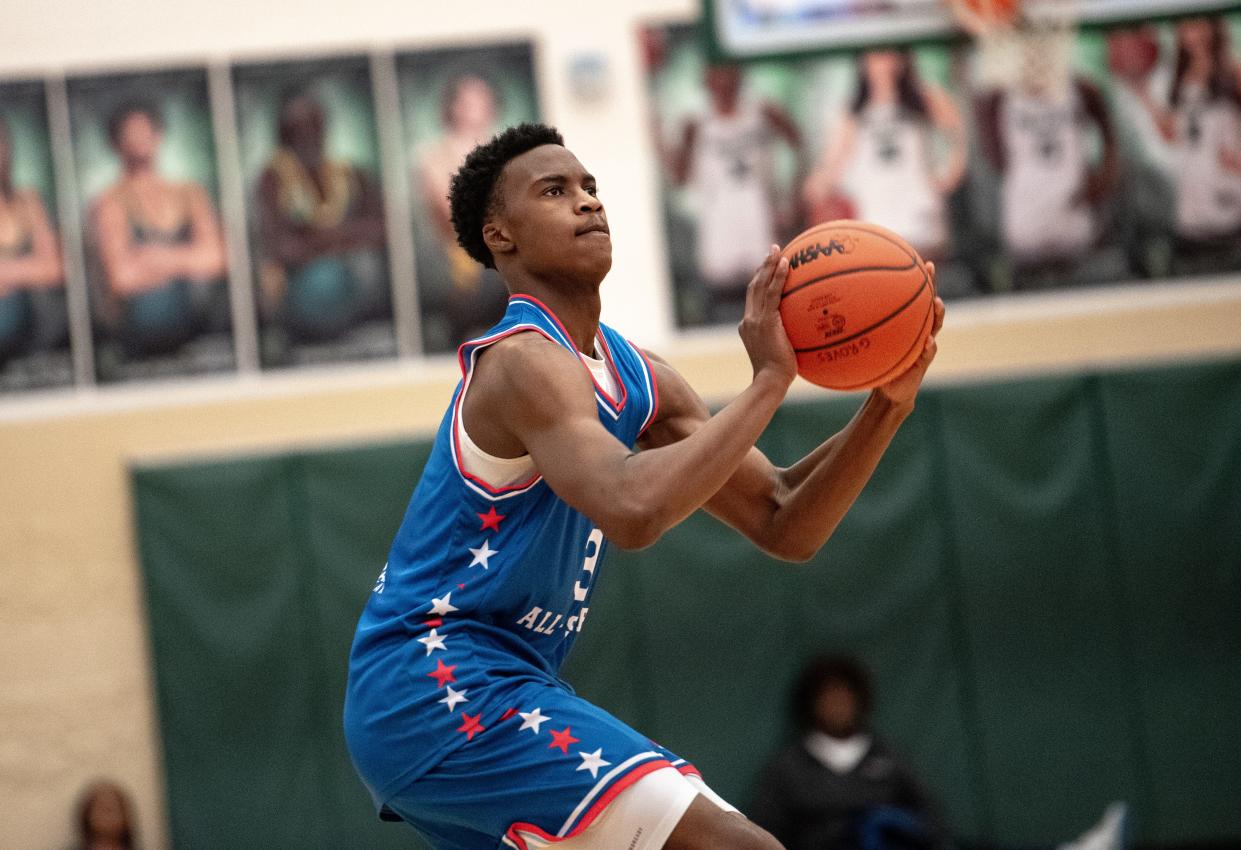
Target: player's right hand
<point x="761" y="329"/>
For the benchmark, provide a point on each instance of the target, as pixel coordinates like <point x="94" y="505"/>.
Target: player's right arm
<point x="535" y="396"/>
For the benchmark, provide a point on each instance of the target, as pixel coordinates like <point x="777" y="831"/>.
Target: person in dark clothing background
<point x="838" y="786"/>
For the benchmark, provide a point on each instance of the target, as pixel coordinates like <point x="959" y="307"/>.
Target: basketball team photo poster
<point x="314" y="209"/>
<point x="152" y="238"/>
<point x="34" y="317"/>
<point x="451" y="100"/>
<point x="1111" y="174"/>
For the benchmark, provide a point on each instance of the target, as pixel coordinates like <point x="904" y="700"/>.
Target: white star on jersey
<point x="455" y="697"/>
<point x="482" y="555"/>
<point x="532" y="720"/>
<point x="432" y="641"/>
<point x="442" y="607"/>
<point x="592" y="762"/>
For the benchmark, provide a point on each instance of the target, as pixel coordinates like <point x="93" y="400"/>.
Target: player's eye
<point x="553" y="190"/>
<point x="593" y="190"/>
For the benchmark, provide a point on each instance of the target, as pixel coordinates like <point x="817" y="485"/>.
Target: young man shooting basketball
<point x="454" y="715"/>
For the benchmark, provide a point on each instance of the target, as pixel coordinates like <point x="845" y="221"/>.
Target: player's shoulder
<point x="529" y="363"/>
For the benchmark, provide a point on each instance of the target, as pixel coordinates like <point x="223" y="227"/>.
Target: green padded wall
<point x="1045" y="575"/>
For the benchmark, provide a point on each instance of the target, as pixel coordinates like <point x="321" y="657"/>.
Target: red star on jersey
<point x="491" y="519"/>
<point x="471" y="726"/>
<point x="508" y="714"/>
<point x="442" y="674"/>
<point x="562" y="740"/>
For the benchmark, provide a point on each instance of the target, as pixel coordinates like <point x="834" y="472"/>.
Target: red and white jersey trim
<point x="592" y="804"/>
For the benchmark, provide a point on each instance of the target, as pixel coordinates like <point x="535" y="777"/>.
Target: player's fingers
<point x="939" y="316"/>
<point x="756" y="293"/>
<point x="776" y="285"/>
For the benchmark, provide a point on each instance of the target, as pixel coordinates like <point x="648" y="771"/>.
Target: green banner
<point x="1043" y="574"/>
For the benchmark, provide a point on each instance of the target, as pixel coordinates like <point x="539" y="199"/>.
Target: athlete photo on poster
<point x="154" y="248"/>
<point x="752" y="154"/>
<point x="1176" y="90"/>
<point x="451" y="100"/>
<point x="310" y="163"/>
<point x="34" y="316"/>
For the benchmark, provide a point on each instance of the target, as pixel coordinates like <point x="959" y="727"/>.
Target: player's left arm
<point x="790" y="512"/>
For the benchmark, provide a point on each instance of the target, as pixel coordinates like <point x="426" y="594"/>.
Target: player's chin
<point x="593" y="254"/>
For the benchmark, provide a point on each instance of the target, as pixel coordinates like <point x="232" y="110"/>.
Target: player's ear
<point x="496" y="237"/>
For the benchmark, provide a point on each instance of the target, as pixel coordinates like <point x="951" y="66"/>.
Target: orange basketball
<point x="858" y="304"/>
<point x="993" y="11"/>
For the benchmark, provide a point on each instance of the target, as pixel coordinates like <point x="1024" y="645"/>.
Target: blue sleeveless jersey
<point x="485" y="589"/>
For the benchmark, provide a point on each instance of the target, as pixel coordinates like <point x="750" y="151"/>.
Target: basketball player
<point x="883" y="149"/>
<point x="159" y="241"/>
<point x="323" y="230"/>
<point x="725" y="155"/>
<point x="1202" y="121"/>
<point x="1036" y="136"/>
<point x="454" y="714"/>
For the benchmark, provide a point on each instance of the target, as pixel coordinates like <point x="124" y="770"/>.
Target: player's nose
<point x="588" y="203"/>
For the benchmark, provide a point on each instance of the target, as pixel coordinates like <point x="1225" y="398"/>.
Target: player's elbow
<point x="790" y="551"/>
<point x="634" y="526"/>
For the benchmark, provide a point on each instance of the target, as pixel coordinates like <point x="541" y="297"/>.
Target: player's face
<point x="473" y="106"/>
<point x="1195" y="34"/>
<point x="553" y="218"/>
<point x="139" y="138"/>
<point x="883" y="64"/>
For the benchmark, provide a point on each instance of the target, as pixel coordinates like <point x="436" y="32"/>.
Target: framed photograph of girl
<point x="451" y="100"/>
<point x="34" y="320"/>
<point x="155" y="256"/>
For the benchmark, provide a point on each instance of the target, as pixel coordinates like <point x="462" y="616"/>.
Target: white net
<point x="1032" y="52"/>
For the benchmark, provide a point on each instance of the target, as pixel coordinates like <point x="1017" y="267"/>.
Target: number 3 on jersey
<point x="594" y="544"/>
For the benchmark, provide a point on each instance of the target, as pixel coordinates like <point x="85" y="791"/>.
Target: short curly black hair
<point x="134" y="106"/>
<point x="825" y="670"/>
<point x="472" y="195"/>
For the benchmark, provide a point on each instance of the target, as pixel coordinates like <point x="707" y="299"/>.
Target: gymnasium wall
<point x="76" y="692"/>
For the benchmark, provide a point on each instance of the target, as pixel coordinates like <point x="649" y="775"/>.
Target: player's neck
<point x="577" y="310"/>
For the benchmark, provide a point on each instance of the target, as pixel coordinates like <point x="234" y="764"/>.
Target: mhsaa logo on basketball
<point x="843" y="244"/>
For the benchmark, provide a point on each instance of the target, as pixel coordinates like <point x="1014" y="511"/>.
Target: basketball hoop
<point x="1021" y="44"/>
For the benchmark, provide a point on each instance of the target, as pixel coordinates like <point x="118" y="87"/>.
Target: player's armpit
<point x="531" y="395"/>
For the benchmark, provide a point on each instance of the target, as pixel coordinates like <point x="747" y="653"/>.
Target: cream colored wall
<point x="75" y="689"/>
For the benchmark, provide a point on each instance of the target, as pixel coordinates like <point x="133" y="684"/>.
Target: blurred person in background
<point x="1037" y="134"/>
<point x="322" y="231"/>
<point x="726" y="156"/>
<point x="105" y="818"/>
<point x="840" y="787"/>
<point x="882" y="152"/>
<point x="159" y="243"/>
<point x="475" y="297"/>
<point x="31" y="273"/>
<point x="1202" y="122"/>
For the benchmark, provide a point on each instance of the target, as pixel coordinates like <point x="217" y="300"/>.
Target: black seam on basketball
<point x="864" y="331"/>
<point x="844" y="272"/>
<point x="882" y="378"/>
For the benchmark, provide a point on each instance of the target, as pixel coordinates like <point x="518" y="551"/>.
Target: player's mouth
<point x="597" y="225"/>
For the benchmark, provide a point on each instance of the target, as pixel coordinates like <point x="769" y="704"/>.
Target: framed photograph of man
<point x="155" y="256"/>
<point x="451" y="100"/>
<point x="311" y="165"/>
<point x="34" y="318"/>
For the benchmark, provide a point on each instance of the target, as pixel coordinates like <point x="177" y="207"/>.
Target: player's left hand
<point x="904" y="387"/>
